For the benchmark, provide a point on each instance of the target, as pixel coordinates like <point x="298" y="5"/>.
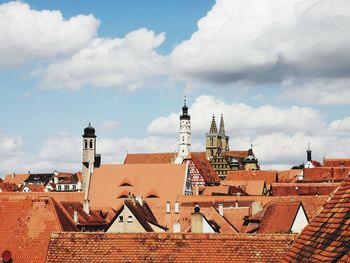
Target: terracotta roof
<point x="223" y="190"/>
<point x="58" y="196"/>
<point x="326" y="173"/>
<point x="150" y="158"/>
<point x="235" y="215"/>
<point x="288" y="189"/>
<point x="340" y="162"/>
<point x="289" y="176"/>
<point x="26" y="226"/>
<point x="8" y="187"/>
<point x="205" y="169"/>
<point x="167" y="181"/>
<point x="93" y="219"/>
<point x="36" y="188"/>
<point x="268" y="176"/>
<point x="326" y="238"/>
<point x="276" y="217"/>
<point x="64" y="178"/>
<point x="236" y="154"/>
<point x="15" y="178"/>
<point x="251" y="187"/>
<point x="164" y="247"/>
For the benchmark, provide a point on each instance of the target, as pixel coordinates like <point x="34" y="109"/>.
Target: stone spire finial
<point x="222" y="126"/>
<point x="213" y="127"/>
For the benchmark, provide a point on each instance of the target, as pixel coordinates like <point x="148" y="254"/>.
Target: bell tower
<point x="213" y="141"/>
<point x="184" y="134"/>
<point x="89" y="153"/>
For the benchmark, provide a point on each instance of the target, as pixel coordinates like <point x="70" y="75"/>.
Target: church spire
<point x="222" y="126"/>
<point x="213" y="127"/>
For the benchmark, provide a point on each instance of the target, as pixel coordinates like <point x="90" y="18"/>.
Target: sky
<point x="278" y="70"/>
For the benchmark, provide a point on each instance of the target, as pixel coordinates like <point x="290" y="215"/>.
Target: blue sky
<point x="278" y="71"/>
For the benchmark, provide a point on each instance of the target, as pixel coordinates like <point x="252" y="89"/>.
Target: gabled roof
<point x="223" y="190"/>
<point x="236" y="154"/>
<point x="150" y="158"/>
<point x="93" y="219"/>
<point x="165" y="247"/>
<point x="39" y="178"/>
<point x="326" y="173"/>
<point x="143" y="214"/>
<point x="205" y="169"/>
<point x="166" y="180"/>
<point x="67" y="178"/>
<point x="336" y="162"/>
<point x="251" y="187"/>
<point x="326" y="238"/>
<point x="26" y="226"/>
<point x="276" y="217"/>
<point x="8" y="187"/>
<point x="34" y="188"/>
<point x="15" y="178"/>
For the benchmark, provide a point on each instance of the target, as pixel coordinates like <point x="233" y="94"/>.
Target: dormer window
<point x="129" y="219"/>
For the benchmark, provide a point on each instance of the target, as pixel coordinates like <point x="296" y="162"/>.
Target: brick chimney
<point x="197" y="221"/>
<point x="177" y="207"/>
<point x="221" y="209"/>
<point x="167" y="207"/>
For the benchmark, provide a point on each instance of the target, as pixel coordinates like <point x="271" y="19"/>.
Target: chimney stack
<point x="139" y="199"/>
<point x="221" y="209"/>
<point x="167" y="208"/>
<point x="86" y="206"/>
<point x="197" y="221"/>
<point x="177" y="207"/>
<point x="75" y="216"/>
<point x="176" y="227"/>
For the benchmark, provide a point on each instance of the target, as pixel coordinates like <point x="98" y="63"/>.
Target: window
<point x="211" y="141"/>
<point x="121" y="219"/>
<point x="66" y="187"/>
<point x="91" y="143"/>
<point x="74" y="187"/>
<point x="183" y="138"/>
<point x="129" y="219"/>
<point x="58" y="187"/>
<point x="85" y="144"/>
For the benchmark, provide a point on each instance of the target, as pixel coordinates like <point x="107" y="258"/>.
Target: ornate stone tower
<point x="213" y="141"/>
<point x="89" y="153"/>
<point x="184" y="134"/>
<point x="224" y="139"/>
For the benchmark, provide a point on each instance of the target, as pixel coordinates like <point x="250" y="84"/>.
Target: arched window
<point x="91" y="143"/>
<point x="85" y="144"/>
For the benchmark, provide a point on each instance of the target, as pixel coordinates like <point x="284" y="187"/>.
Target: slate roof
<point x="327" y="237"/>
<point x="150" y="158"/>
<point x="165" y="247"/>
<point x="39" y="178"/>
<point x="26" y="226"/>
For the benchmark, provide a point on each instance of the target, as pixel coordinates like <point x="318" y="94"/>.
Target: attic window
<point x="125" y="184"/>
<point x="123" y="196"/>
<point x="129" y="219"/>
<point x="152" y="196"/>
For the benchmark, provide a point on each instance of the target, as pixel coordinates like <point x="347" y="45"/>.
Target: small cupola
<point x="89" y="132"/>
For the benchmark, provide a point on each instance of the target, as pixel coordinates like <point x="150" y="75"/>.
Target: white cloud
<point x="109" y="125"/>
<point x="241" y="119"/>
<point x="27" y="34"/>
<point x="267" y="41"/>
<point x="124" y="63"/>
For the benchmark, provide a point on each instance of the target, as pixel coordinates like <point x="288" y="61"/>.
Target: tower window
<point x="85" y="144"/>
<point x="183" y="138"/>
<point x="91" y="144"/>
<point x="211" y="141"/>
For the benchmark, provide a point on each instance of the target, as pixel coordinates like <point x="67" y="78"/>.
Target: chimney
<point x="177" y="207"/>
<point x="221" y="209"/>
<point x="86" y="206"/>
<point x="197" y="221"/>
<point x="176" y="227"/>
<point x="195" y="190"/>
<point x="256" y="207"/>
<point x="13" y="175"/>
<point x="75" y="216"/>
<point x="167" y="208"/>
<point x="236" y="204"/>
<point x="139" y="199"/>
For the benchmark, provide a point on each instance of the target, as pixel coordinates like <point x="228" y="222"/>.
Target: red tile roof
<point x="58" y="196"/>
<point x="327" y="237"/>
<point x="326" y="173"/>
<point x="276" y="217"/>
<point x="15" y="178"/>
<point x="166" y="181"/>
<point x="205" y="169"/>
<point x="164" y="247"/>
<point x="26" y="226"/>
<point x="150" y="158"/>
<point x="268" y="176"/>
<point x="236" y="154"/>
<point x="8" y="187"/>
<point x="288" y="189"/>
<point x="336" y="162"/>
<point x="223" y="190"/>
<point x="251" y="187"/>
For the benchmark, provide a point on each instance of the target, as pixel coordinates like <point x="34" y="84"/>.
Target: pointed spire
<point x="309" y="153"/>
<point x="184" y="115"/>
<point x="213" y="127"/>
<point x="222" y="126"/>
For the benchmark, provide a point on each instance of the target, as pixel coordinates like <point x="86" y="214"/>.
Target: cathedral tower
<point x="184" y="134"/>
<point x="224" y="139"/>
<point x="89" y="153"/>
<point x="213" y="141"/>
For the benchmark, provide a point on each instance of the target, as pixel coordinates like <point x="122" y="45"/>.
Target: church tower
<point x="224" y="139"/>
<point x="89" y="153"/>
<point x="213" y="141"/>
<point x="309" y="163"/>
<point x="184" y="134"/>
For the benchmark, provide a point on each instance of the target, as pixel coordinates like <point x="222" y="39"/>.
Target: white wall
<point x="300" y="221"/>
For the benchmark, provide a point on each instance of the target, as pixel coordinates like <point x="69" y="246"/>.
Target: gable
<point x="300" y="220"/>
